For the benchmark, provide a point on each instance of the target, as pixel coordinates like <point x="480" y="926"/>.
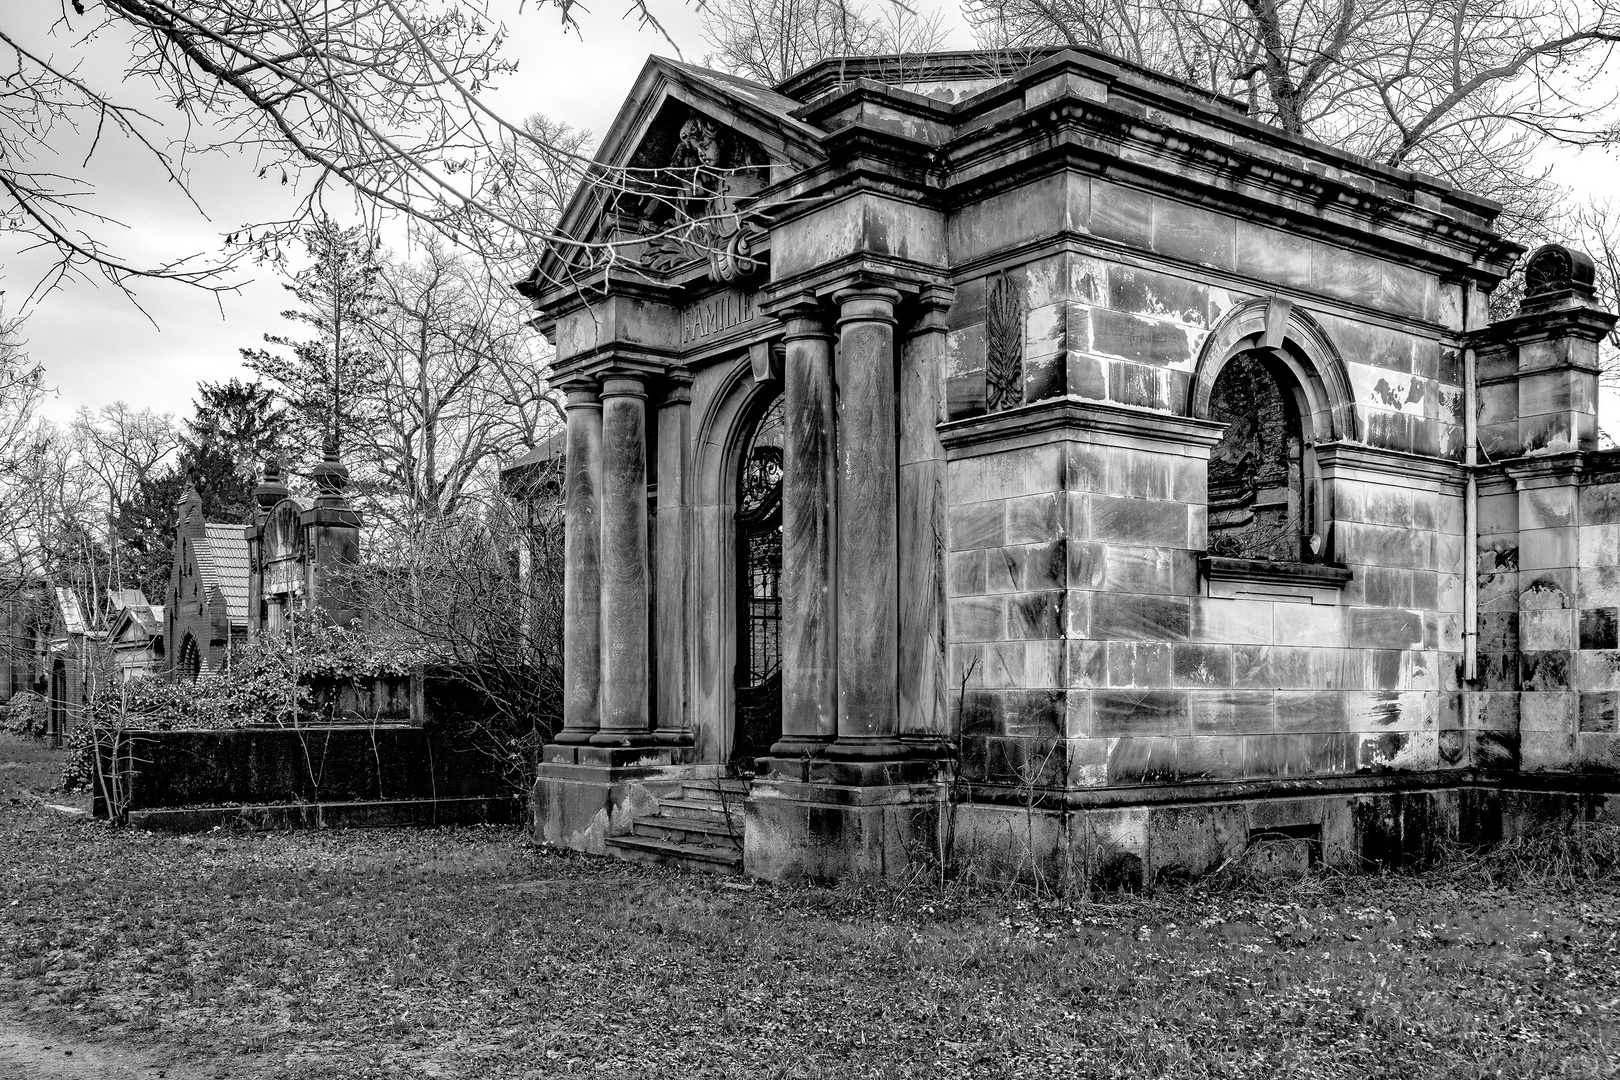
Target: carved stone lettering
<point x="715" y="314"/>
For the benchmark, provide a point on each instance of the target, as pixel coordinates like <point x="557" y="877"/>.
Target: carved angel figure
<point x="695" y="163"/>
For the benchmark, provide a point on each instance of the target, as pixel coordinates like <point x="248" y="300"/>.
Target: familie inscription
<point x="715" y="314"/>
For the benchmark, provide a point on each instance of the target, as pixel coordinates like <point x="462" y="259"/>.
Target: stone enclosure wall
<point x="279" y="765"/>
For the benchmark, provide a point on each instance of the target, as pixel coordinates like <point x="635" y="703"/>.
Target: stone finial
<point x="331" y="476"/>
<point x="1555" y="274"/>
<point x="272" y="488"/>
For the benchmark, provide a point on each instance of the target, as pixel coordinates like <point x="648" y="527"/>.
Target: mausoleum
<point x="1038" y="456"/>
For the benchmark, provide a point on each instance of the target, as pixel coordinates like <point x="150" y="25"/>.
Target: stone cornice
<point x="1358" y="457"/>
<point x="1092" y="139"/>
<point x="1547" y="470"/>
<point x="859" y="270"/>
<point x="1057" y="414"/>
<point x="1582" y="321"/>
<point x="1146" y="94"/>
<point x="616" y="359"/>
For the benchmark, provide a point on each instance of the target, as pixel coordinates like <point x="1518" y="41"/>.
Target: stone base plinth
<point x="584" y="794"/>
<point x="822" y="821"/>
<point x="1122" y="839"/>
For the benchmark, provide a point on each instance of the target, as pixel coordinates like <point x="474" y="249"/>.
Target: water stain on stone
<point x="1382" y="750"/>
<point x="1387" y="395"/>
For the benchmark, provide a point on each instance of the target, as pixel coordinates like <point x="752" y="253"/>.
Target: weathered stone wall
<point x="1086" y="648"/>
<point x="1551" y="582"/>
<point x="1077" y="612"/>
<point x="1594" y="738"/>
<point x="1128" y="329"/>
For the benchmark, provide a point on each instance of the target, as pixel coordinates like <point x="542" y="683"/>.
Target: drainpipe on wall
<point x="1470" y="514"/>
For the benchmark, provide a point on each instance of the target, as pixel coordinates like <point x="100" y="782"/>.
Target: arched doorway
<point x="1260" y="500"/>
<point x="190" y="661"/>
<point x="758" y="679"/>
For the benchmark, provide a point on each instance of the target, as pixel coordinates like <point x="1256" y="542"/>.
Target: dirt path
<point x="25" y="1054"/>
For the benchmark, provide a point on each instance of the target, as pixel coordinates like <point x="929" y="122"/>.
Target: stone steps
<point x="713" y="860"/>
<point x="698" y="829"/>
<point x="686" y="830"/>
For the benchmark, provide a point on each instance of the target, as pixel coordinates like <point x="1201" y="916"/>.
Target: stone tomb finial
<point x="1555" y="275"/>
<point x="272" y="487"/>
<point x="331" y="477"/>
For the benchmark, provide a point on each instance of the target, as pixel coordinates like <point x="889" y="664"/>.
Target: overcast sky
<point x="98" y="348"/>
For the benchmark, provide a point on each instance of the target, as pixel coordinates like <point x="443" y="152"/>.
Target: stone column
<point x="582" y="566"/>
<point x="809" y="483"/>
<point x="624" y="711"/>
<point x="867" y="611"/>
<point x="674" y="559"/>
<point x="922" y="690"/>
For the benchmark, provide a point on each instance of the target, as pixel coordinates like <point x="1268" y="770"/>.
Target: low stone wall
<point x="317" y="763"/>
<point x="387" y="699"/>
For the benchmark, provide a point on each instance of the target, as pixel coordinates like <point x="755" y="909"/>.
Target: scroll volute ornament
<point x="1004" y="345"/>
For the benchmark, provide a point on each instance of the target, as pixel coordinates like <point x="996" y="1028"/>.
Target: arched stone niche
<point x="1288" y="393"/>
<point x="284" y="562"/>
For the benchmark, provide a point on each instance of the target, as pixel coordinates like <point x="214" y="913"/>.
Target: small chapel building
<point x="1034" y="452"/>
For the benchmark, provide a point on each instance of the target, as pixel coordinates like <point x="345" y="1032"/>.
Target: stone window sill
<point x="1309" y="583"/>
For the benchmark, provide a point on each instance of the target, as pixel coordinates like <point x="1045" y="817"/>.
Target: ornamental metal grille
<point x="759" y="545"/>
<point x="764" y="605"/>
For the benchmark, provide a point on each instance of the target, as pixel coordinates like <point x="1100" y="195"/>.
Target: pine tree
<point x="322" y="378"/>
<point x="245" y="422"/>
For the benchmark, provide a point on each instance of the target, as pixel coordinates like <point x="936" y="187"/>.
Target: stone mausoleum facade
<point x="1038" y="458"/>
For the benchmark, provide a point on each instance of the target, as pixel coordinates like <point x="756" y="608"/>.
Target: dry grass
<point x="465" y="953"/>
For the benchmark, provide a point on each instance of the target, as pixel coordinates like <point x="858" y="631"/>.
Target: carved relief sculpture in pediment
<point x="684" y="193"/>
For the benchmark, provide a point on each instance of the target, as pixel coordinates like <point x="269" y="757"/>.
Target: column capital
<point x="584" y="397"/>
<point x="794" y="305"/>
<point x="677" y="390"/>
<point x="802" y="315"/>
<point x="866" y="302"/>
<point x="931" y="305"/>
<point x="624" y="384"/>
<point x="578" y="384"/>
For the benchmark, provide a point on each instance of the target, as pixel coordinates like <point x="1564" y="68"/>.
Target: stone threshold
<point x="381" y="814"/>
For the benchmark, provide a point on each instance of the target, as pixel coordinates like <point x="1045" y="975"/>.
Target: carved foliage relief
<point x="1004" y="344"/>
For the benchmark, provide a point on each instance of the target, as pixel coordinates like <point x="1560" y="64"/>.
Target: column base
<point x="820" y="821"/>
<point x="574" y="736"/>
<point x="872" y="748"/>
<point x="798" y="746"/>
<point x="612" y="737"/>
<point x="927" y="746"/>
<point x="584" y="794"/>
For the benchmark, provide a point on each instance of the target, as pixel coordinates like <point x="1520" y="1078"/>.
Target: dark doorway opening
<point x="758" y="721"/>
<point x="57" y="703"/>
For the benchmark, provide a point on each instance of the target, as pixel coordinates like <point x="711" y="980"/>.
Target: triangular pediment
<point x="689" y="151"/>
